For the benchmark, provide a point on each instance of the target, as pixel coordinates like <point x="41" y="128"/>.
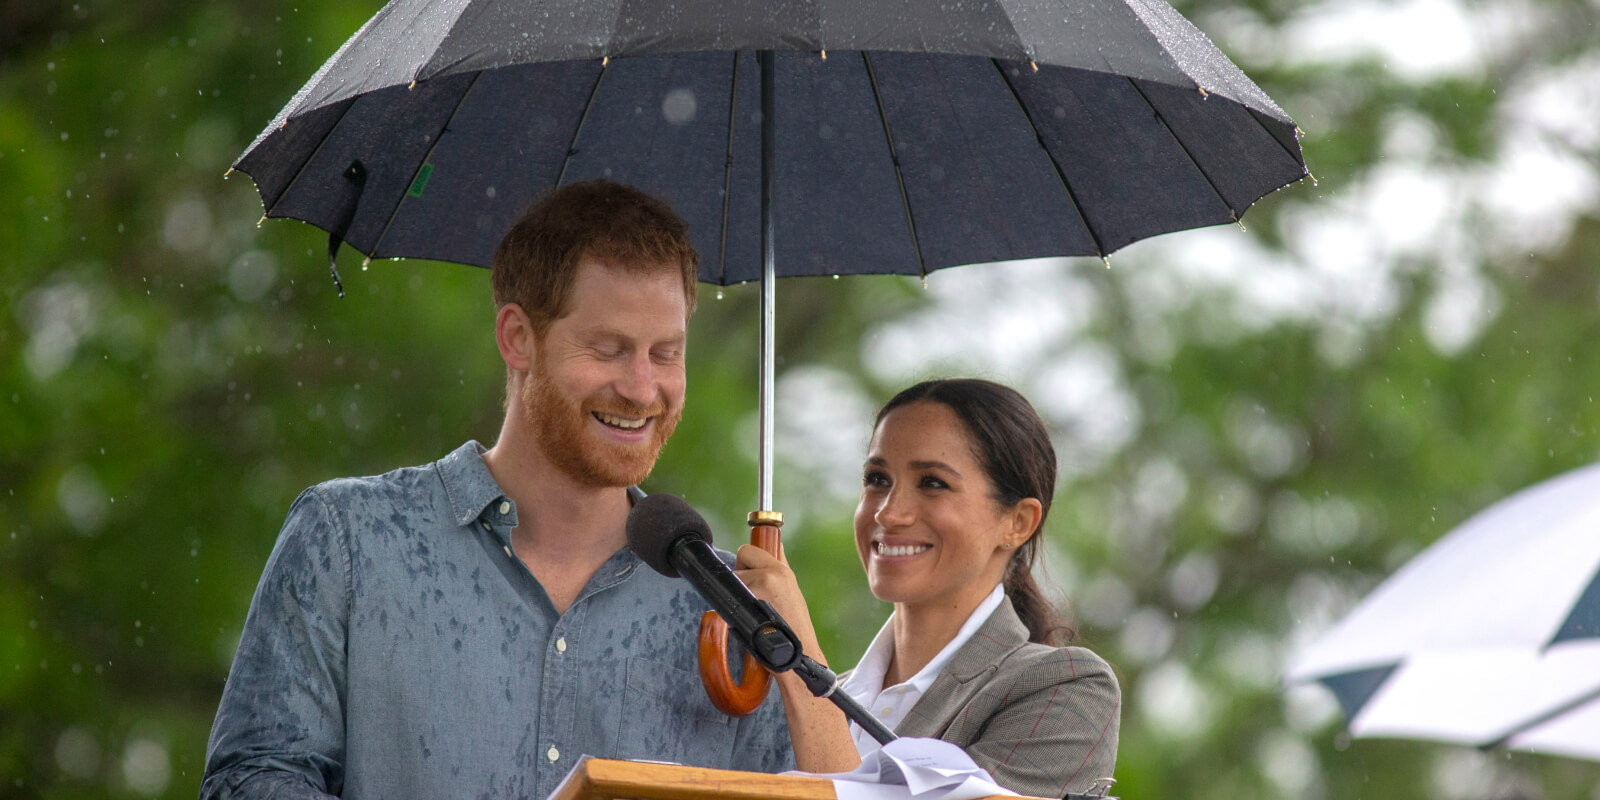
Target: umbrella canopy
<point x="1490" y="637"/>
<point x="908" y="135"/>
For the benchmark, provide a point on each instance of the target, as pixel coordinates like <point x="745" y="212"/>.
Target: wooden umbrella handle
<point x="737" y="699"/>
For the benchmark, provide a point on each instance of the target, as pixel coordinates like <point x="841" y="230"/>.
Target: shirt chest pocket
<point x="666" y="716"/>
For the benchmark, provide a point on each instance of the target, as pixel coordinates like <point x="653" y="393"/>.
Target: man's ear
<point x="513" y="332"/>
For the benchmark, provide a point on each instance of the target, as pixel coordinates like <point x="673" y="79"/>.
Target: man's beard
<point x="560" y="431"/>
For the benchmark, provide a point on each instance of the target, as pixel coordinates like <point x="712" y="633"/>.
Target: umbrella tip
<point x="1033" y="64"/>
<point x="719" y="292"/>
<point x="226" y="174"/>
<point x="261" y="221"/>
<point x="1299" y="134"/>
<point x="413" y="85"/>
<point x="333" y="269"/>
<point x="1312" y="177"/>
<point x="824" y="55"/>
<point x="283" y="124"/>
<point x="604" y="60"/>
<point x="365" y="262"/>
<point x="1106" y="260"/>
<point x="1203" y="93"/>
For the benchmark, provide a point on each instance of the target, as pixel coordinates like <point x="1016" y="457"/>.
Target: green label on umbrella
<point x="421" y="181"/>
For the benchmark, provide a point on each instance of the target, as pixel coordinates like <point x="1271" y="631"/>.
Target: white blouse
<point x="865" y="682"/>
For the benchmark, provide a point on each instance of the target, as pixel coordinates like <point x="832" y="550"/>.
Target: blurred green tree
<point x="1255" y="426"/>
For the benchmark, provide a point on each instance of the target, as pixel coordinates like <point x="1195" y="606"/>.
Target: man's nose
<point x="638" y="384"/>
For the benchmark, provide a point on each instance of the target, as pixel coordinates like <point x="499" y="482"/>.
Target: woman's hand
<point x="819" y="732"/>
<point x="769" y="578"/>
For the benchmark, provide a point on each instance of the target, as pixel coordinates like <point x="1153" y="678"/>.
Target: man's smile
<point x="620" y="423"/>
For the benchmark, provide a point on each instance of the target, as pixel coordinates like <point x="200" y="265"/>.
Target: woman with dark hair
<point x="957" y="483"/>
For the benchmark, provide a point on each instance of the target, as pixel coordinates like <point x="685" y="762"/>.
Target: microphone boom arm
<point x="824" y="683"/>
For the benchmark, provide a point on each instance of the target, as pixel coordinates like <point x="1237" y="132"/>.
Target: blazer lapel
<point x="1001" y="634"/>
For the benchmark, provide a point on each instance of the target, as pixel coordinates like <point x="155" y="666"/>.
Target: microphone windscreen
<point x="656" y="522"/>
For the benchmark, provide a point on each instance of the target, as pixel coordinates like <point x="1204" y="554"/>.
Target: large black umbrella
<point x="807" y="137"/>
<point x="909" y="135"/>
<point x="902" y="136"/>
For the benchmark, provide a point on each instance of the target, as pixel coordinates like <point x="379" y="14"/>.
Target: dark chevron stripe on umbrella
<point x="1354" y="688"/>
<point x="931" y="134"/>
<point x="1584" y="621"/>
<point x="1490" y="637"/>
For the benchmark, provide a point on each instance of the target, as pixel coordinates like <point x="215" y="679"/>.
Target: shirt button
<point x="552" y="754"/>
<point x="486" y="526"/>
<point x="561" y="646"/>
<point x="505" y="506"/>
<point x="508" y="551"/>
<point x="886" y="711"/>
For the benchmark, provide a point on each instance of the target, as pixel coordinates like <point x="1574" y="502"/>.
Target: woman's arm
<point x="819" y="731"/>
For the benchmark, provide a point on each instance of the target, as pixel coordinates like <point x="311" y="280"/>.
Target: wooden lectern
<point x="606" y="779"/>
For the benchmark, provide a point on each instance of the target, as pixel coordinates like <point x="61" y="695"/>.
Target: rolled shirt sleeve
<point x="280" y="729"/>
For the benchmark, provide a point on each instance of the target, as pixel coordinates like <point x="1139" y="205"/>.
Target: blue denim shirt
<point x="396" y="648"/>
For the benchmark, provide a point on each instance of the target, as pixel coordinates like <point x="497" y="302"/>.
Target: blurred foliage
<point x="172" y="374"/>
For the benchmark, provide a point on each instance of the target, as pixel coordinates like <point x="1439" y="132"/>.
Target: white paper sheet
<point x="915" y="769"/>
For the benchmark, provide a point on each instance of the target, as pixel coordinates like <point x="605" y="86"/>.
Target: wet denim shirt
<point x="395" y="648"/>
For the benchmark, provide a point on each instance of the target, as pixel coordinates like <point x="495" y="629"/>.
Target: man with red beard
<point x="474" y="626"/>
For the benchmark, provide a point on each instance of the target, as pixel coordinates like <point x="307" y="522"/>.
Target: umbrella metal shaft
<point x="769" y="279"/>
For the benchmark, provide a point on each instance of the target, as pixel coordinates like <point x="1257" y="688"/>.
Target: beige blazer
<point x="1043" y="720"/>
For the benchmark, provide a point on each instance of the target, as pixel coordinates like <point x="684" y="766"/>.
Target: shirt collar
<point x="472" y="488"/>
<point x="875" y="662"/>
<point x="469" y="484"/>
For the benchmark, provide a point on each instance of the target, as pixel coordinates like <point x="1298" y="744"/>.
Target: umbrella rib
<point x="899" y="177"/>
<point x="307" y="162"/>
<point x="1066" y="185"/>
<point x="1298" y="158"/>
<point x="727" y="174"/>
<point x="588" y="105"/>
<point x="1192" y="160"/>
<point x="438" y="137"/>
<point x="1560" y="710"/>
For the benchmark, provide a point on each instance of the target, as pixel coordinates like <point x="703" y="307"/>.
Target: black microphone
<point x="670" y="536"/>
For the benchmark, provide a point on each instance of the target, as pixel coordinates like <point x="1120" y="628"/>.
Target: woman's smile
<point x="885" y="550"/>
